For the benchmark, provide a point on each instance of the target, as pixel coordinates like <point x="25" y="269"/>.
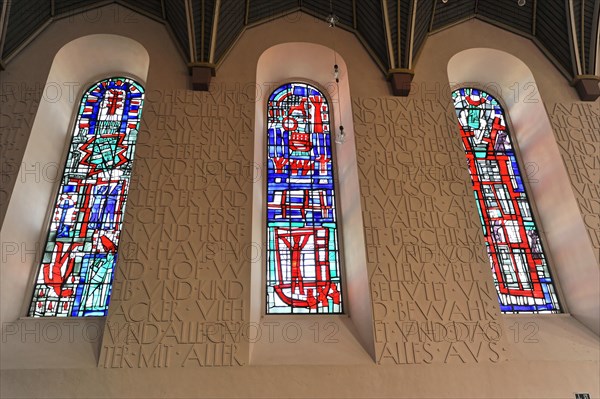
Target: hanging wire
<point x="332" y="19"/>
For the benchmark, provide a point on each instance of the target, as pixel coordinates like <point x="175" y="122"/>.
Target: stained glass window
<point x="80" y="254"/>
<point x="303" y="263"/>
<point x="519" y="266"/>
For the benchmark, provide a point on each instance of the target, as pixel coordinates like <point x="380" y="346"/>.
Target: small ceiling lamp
<point x="340" y="137"/>
<point x="332" y="20"/>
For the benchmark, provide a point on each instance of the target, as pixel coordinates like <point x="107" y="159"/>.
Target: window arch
<point x="78" y="260"/>
<point x="520" y="268"/>
<point x="303" y="257"/>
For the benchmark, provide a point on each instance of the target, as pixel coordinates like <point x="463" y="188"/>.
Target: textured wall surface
<point x="432" y="296"/>
<point x="19" y="101"/>
<point x="575" y="126"/>
<point x="181" y="296"/>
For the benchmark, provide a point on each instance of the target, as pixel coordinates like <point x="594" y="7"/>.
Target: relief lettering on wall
<point x="576" y="127"/>
<point x="178" y="296"/>
<point x="18" y="105"/>
<point x="433" y="299"/>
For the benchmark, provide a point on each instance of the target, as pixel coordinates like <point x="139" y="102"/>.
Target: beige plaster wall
<point x="179" y="322"/>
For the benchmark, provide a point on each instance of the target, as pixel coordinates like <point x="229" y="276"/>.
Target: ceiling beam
<point x="582" y="38"/>
<point x="586" y="84"/>
<point x="3" y="24"/>
<point x="410" y="36"/>
<point x="399" y="31"/>
<point x="247" y="14"/>
<point x="595" y="41"/>
<point x="388" y="35"/>
<point x="213" y="36"/>
<point x="189" y="14"/>
<point x="574" y="40"/>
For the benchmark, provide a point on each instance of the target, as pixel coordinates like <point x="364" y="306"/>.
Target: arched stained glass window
<point x="303" y="263"/>
<point x="80" y="254"/>
<point x="519" y="266"/>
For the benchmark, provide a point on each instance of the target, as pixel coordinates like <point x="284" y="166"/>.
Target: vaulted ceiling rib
<point x="392" y="30"/>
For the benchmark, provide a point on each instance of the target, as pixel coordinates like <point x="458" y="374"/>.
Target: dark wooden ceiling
<point x="393" y="31"/>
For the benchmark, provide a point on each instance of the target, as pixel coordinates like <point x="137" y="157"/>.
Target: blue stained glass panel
<point x="303" y="263"/>
<point x="80" y="255"/>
